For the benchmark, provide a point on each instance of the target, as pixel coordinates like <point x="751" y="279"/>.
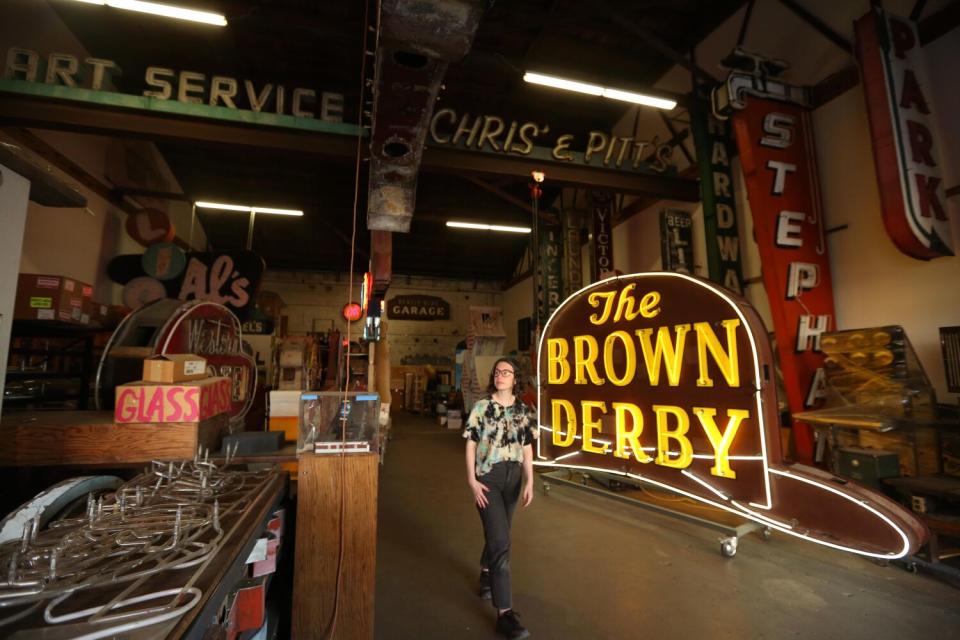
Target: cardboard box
<point x="291" y="378"/>
<point x="174" y="367"/>
<point x="291" y="357"/>
<point x="140" y="402"/>
<point x="49" y="297"/>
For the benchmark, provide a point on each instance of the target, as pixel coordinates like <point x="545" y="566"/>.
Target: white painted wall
<point x="517" y="303"/>
<point x="14" y="193"/>
<point x="313" y="302"/>
<point x="874" y="283"/>
<point x="77" y="242"/>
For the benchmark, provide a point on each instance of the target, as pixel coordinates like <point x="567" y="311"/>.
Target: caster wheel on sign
<point x="767" y="533"/>
<point x="728" y="547"/>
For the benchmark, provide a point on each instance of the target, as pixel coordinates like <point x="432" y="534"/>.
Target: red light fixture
<point x="352" y="312"/>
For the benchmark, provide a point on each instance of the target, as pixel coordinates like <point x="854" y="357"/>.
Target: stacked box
<point x="50" y="297"/>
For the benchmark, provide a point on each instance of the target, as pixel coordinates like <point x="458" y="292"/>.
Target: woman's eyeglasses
<point x="502" y="373"/>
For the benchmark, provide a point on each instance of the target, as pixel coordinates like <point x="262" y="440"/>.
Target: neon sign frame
<point x="903" y="533"/>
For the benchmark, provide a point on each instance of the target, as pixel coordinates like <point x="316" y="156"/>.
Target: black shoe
<point x="484" y="591"/>
<point x="508" y="625"/>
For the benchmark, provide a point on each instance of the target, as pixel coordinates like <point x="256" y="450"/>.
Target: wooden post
<point x="325" y="480"/>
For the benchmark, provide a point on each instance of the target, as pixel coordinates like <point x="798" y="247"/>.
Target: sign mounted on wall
<point x="493" y="134"/>
<point x="231" y="279"/>
<point x="714" y="153"/>
<point x="676" y="240"/>
<point x="160" y="83"/>
<point x="550" y="281"/>
<point x="905" y="149"/>
<point x="776" y="153"/>
<point x="416" y="307"/>
<point x="601" y="210"/>
<point x="669" y="379"/>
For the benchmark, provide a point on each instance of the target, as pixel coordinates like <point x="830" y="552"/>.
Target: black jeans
<point x="503" y="480"/>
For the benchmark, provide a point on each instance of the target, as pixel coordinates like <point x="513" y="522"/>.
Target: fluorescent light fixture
<point x="248" y="209"/>
<point x="639" y="98"/>
<point x="561" y="83"/>
<point x="165" y="10"/>
<point x="487" y="227"/>
<point x="596" y="90"/>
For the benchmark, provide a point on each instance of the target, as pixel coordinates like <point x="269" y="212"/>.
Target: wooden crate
<point x="47" y="438"/>
<point x="918" y="449"/>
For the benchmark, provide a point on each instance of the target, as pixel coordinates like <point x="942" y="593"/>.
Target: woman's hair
<point x="518" y="384"/>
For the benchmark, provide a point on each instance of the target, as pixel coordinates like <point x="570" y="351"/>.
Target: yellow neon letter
<point x="665" y="347"/>
<point x="648" y="304"/>
<point x="721" y="441"/>
<point x="560" y="439"/>
<point x="586" y="350"/>
<point x="594" y="300"/>
<point x="591" y="424"/>
<point x="665" y="435"/>
<point x="629" y="436"/>
<point x="626" y="304"/>
<point x="726" y="360"/>
<point x="558" y="369"/>
<point x="630" y="367"/>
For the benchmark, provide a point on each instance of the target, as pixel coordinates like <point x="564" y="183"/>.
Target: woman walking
<point x="500" y="433"/>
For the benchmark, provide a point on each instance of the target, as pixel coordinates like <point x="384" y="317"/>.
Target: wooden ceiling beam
<point x="29" y="111"/>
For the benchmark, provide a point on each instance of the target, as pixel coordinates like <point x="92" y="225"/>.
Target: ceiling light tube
<point x="639" y="98"/>
<point x="165" y="10"/>
<point x="562" y="83"/>
<point x="487" y="227"/>
<point x="595" y="90"/>
<point x="248" y="208"/>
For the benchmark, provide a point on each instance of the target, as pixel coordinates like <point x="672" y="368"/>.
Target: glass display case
<point x="333" y="422"/>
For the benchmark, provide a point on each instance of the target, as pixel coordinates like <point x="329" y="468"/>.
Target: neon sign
<point x="669" y="379"/>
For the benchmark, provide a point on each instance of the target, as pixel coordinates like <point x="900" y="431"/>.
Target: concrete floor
<point x="587" y="568"/>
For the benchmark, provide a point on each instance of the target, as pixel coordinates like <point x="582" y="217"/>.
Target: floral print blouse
<point x="500" y="432"/>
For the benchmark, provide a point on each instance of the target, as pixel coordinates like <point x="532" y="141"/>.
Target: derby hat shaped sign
<point x="669" y="380"/>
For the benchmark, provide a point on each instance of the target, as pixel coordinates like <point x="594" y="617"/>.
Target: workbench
<point x="91" y="439"/>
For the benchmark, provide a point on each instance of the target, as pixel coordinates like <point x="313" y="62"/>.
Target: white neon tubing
<point x="706" y="484"/>
<point x="764" y="520"/>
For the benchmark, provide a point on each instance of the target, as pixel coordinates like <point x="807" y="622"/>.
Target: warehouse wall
<point x="79" y="242"/>
<point x="874" y="283"/>
<point x="313" y="302"/>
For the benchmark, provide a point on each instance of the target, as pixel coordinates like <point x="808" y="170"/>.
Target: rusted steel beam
<point x="418" y="40"/>
<point x="381" y="261"/>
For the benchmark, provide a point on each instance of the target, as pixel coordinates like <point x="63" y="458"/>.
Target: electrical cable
<point x="332" y="625"/>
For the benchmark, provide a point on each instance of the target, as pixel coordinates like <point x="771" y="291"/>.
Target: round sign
<point x="150" y="226"/>
<point x="142" y="290"/>
<point x="164" y="261"/>
<point x="352" y="311"/>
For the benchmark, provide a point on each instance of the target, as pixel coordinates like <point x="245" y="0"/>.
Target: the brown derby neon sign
<point x="669" y="379"/>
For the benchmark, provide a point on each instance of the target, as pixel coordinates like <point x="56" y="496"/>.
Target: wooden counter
<point x="90" y="438"/>
<point x="324" y="481"/>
